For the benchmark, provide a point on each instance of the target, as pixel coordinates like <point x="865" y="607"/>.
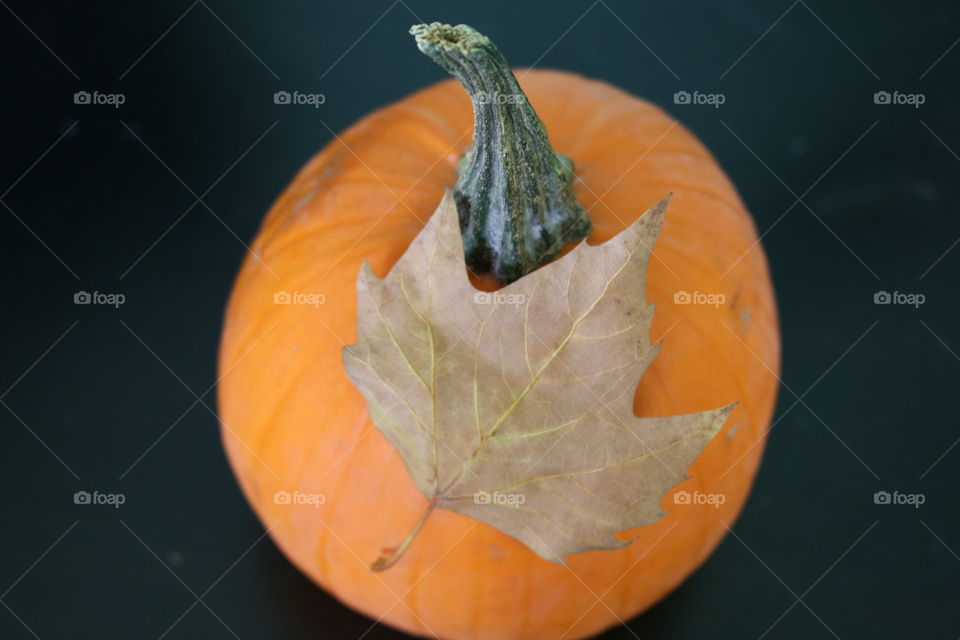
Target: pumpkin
<point x="333" y="491"/>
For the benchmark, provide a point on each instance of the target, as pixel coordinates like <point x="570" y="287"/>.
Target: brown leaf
<point x="516" y="407"/>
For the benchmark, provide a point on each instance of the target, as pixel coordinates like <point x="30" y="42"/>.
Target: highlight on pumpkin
<point x="532" y="400"/>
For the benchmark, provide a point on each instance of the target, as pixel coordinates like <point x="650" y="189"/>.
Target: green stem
<point x="514" y="192"/>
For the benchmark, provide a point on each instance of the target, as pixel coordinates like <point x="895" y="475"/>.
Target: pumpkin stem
<point x="385" y="562"/>
<point x="514" y="193"/>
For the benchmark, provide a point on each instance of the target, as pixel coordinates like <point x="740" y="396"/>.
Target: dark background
<point x="853" y="198"/>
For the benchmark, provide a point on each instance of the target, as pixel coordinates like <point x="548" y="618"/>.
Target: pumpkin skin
<point x="292" y="420"/>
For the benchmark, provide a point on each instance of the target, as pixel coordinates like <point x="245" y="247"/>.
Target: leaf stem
<point x="385" y="562"/>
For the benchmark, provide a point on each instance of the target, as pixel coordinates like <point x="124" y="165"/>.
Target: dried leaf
<point x="516" y="407"/>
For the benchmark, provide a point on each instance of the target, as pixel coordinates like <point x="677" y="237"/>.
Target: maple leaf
<point x="515" y="407"/>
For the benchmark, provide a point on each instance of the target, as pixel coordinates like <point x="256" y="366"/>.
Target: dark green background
<point x="879" y="187"/>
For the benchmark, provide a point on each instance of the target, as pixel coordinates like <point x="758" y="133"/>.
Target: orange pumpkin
<point x="294" y="423"/>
